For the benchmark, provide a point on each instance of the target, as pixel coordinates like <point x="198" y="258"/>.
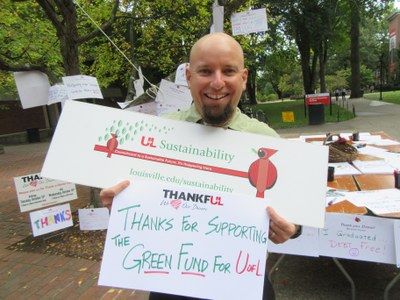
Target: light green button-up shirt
<point x="239" y="122"/>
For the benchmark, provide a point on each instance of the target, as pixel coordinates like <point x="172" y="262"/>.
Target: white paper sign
<point x="34" y="191"/>
<point x="358" y="237"/>
<point x="57" y="93"/>
<point x="218" y="18"/>
<point x="175" y="95"/>
<point x="138" y="88"/>
<point x="161" y="235"/>
<point x="82" y="87"/>
<point x="93" y="218"/>
<point x="113" y="145"/>
<point x="33" y="87"/>
<point x="306" y="244"/>
<point x="51" y="219"/>
<point x="180" y="74"/>
<point x="249" y="21"/>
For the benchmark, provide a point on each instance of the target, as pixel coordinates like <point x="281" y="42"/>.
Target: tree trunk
<point x="251" y="87"/>
<point x="69" y="40"/>
<point x="355" y="50"/>
<point x="322" y="63"/>
<point x="303" y="44"/>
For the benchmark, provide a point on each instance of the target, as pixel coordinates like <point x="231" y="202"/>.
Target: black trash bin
<point x="33" y="135"/>
<point x="316" y="114"/>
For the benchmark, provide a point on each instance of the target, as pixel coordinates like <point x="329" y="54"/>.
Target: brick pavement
<point x="27" y="275"/>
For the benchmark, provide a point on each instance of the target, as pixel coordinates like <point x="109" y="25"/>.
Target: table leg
<point x="342" y="269"/>
<point x="389" y="286"/>
<point x="281" y="257"/>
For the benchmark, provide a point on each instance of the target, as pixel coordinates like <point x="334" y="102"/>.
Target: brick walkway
<point x="27" y="275"/>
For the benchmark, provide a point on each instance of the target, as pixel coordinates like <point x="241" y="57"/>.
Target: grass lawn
<point x="391" y="96"/>
<point x="274" y="111"/>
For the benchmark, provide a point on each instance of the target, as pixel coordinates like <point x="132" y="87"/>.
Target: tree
<point x="358" y="8"/>
<point x="310" y="24"/>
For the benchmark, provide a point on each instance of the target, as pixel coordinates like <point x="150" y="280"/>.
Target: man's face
<point x="216" y="78"/>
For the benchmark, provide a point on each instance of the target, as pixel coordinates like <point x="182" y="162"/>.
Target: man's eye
<point x="230" y="72"/>
<point x="204" y="72"/>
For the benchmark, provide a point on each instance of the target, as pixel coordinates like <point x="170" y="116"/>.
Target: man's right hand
<point x="107" y="195"/>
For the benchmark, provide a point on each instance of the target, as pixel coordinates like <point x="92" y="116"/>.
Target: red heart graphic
<point x="33" y="183"/>
<point x="175" y="203"/>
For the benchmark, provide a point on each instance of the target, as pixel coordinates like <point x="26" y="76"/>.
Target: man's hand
<point x="107" y="195"/>
<point x="280" y="230"/>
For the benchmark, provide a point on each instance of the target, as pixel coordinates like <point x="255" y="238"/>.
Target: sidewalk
<point x="27" y="275"/>
<point x="33" y="276"/>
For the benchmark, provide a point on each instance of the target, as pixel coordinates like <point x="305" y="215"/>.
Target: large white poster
<point x="186" y="241"/>
<point x="113" y="145"/>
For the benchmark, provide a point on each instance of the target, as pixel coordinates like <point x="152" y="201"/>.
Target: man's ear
<point x="188" y="75"/>
<point x="244" y="78"/>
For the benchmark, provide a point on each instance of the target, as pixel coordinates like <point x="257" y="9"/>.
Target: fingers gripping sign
<point x="107" y="195"/>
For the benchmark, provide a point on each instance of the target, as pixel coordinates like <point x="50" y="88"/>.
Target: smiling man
<point x="217" y="79"/>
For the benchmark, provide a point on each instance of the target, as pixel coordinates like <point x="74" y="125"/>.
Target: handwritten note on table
<point x="358" y="237"/>
<point x="379" y="201"/>
<point x="186" y="242"/>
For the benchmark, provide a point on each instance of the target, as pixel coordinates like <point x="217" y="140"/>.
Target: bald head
<point x="216" y="77"/>
<point x="223" y="41"/>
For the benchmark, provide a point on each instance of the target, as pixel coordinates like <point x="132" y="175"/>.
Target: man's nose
<point x="218" y="80"/>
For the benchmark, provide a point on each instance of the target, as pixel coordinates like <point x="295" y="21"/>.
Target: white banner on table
<point x="33" y="87"/>
<point x="136" y="146"/>
<point x="93" y="218"/>
<point x="213" y="244"/>
<point x="358" y="237"/>
<point x="249" y="21"/>
<point x="34" y="191"/>
<point x="396" y="225"/>
<point x="51" y="219"/>
<point x="82" y="87"/>
<point x="306" y="244"/>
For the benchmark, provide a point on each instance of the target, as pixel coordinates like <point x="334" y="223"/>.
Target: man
<point x="216" y="78"/>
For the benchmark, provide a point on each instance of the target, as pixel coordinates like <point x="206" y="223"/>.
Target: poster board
<point x="160" y="235"/>
<point x="113" y="145"/>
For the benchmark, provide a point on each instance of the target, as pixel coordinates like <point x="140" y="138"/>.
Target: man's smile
<point x="216" y="96"/>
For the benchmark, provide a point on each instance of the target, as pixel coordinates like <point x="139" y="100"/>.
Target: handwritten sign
<point x="82" y="87"/>
<point x="249" y="21"/>
<point x="57" y="93"/>
<point x="34" y="191"/>
<point x="213" y="244"/>
<point x="137" y="146"/>
<point x="358" y="237"/>
<point x="51" y="219"/>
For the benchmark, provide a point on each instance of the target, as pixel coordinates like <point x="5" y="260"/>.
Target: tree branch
<point x="51" y="13"/>
<point x="104" y="27"/>
<point x="5" y="66"/>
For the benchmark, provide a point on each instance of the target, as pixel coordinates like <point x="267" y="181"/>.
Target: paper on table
<point x="373" y="166"/>
<point x="334" y="196"/>
<point x="344" y="168"/>
<point x="378" y="201"/>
